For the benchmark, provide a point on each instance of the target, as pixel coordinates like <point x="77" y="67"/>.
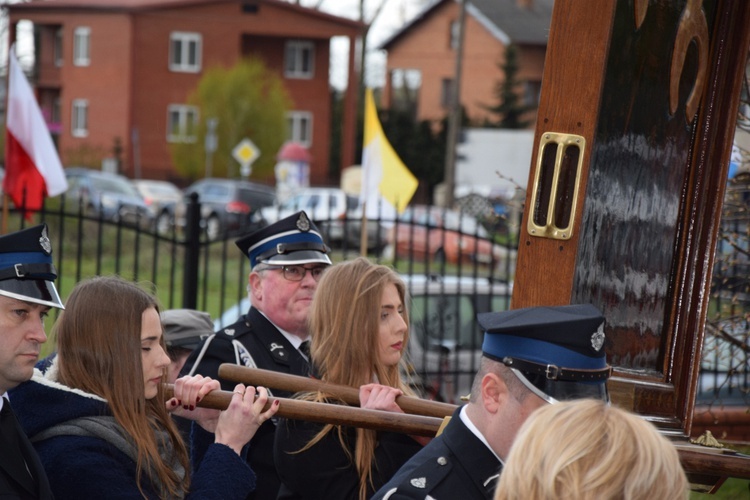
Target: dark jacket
<point x="93" y="466"/>
<point x="325" y="471"/>
<point x="255" y="342"/>
<point x="15" y="482"/>
<point x="456" y="464"/>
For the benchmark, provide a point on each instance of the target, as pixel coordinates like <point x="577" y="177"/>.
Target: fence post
<point x="192" y="252"/>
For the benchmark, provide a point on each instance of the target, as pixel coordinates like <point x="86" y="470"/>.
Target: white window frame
<point x="294" y="57"/>
<point x="300" y="127"/>
<point x="183" y="113"/>
<point x="79" y="118"/>
<point x="58" y="47"/>
<point x="181" y="62"/>
<point x="82" y="46"/>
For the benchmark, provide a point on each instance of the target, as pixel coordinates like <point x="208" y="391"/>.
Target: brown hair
<point x="345" y="325"/>
<point x="587" y="450"/>
<point x="99" y="351"/>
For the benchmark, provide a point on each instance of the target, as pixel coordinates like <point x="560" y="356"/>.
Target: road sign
<point x="246" y="152"/>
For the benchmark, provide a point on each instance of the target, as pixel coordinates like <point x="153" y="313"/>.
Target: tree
<point x="247" y="100"/>
<point x="509" y="110"/>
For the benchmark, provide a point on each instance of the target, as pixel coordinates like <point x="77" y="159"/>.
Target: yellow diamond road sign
<point x="246" y="152"/>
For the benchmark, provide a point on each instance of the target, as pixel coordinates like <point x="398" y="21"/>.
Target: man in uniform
<point x="27" y="292"/>
<point x="530" y="357"/>
<point x="287" y="259"/>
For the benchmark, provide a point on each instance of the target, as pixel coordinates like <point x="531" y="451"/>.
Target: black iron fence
<point x="453" y="272"/>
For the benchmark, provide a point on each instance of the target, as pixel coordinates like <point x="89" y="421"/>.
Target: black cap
<point x="186" y="327"/>
<point x="26" y="269"/>
<point x="557" y="351"/>
<point x="291" y="241"/>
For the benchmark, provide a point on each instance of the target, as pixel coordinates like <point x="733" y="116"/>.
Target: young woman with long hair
<point x="99" y="418"/>
<point x="360" y="330"/>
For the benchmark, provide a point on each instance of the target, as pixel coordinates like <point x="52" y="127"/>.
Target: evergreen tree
<point x="509" y="110"/>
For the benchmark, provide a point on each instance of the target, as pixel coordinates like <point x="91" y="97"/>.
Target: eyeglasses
<point x="298" y="273"/>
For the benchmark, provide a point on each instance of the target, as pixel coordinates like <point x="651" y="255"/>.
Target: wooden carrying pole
<point x="694" y="459"/>
<point x="349" y="395"/>
<point x="325" y="413"/>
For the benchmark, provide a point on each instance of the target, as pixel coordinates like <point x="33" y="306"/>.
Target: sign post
<point x="246" y="152"/>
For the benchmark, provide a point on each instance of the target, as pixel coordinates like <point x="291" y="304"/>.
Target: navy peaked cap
<point x="293" y="240"/>
<point x="26" y="269"/>
<point x="556" y="351"/>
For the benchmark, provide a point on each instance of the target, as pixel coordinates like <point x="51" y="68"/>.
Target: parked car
<point x="162" y="197"/>
<point x="227" y="205"/>
<point x="446" y="341"/>
<point x="109" y="196"/>
<point x="442" y="236"/>
<point x="327" y="207"/>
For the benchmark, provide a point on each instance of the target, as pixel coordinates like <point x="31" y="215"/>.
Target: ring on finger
<point x="241" y="393"/>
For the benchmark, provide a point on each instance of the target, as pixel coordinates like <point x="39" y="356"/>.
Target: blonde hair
<point x="99" y="351"/>
<point x="588" y="450"/>
<point x="345" y="325"/>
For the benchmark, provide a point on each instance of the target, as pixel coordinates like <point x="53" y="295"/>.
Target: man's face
<point x="286" y="303"/>
<point x="21" y="337"/>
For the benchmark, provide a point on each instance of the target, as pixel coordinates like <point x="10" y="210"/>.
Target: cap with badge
<point x="290" y="241"/>
<point x="26" y="269"/>
<point x="556" y="351"/>
<point x="185" y="328"/>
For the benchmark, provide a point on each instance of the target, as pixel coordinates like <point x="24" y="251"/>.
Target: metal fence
<point x="451" y="274"/>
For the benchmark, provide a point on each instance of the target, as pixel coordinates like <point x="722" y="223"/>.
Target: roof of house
<point x="523" y="22"/>
<point x="145" y="5"/>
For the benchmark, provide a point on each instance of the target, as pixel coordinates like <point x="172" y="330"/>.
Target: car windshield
<point x="113" y="185"/>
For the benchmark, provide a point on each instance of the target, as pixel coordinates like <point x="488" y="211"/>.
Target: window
<point x="532" y="90"/>
<point x="185" y="52"/>
<point x="453" y="36"/>
<point x="81" y="46"/>
<point x="182" y="122"/>
<point x="58" y="47"/>
<point x="299" y="127"/>
<point x="446" y="92"/>
<point x="80" y="118"/>
<point x="299" y="59"/>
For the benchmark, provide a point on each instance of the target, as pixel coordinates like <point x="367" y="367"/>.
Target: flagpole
<point x="363" y="231"/>
<point x="4" y="228"/>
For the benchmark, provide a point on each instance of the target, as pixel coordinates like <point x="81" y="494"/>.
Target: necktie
<point x="304" y="348"/>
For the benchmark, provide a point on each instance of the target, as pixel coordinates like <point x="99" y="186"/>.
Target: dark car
<point x="109" y="196"/>
<point x="162" y="197"/>
<point x="227" y="205"/>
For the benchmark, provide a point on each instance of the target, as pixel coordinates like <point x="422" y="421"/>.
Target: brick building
<point x="120" y="71"/>
<point x="425" y="51"/>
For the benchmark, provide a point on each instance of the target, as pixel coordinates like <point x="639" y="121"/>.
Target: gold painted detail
<point x="693" y="27"/>
<point x="556" y="183"/>
<point x="707" y="439"/>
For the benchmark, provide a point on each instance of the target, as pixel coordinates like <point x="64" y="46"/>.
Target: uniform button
<point x="442" y="461"/>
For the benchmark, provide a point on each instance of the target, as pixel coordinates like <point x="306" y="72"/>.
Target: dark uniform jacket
<point x="456" y="464"/>
<point x="325" y="471"/>
<point x="15" y="482"/>
<point x="255" y="342"/>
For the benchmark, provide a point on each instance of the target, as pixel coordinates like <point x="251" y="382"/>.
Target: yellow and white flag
<point x="386" y="182"/>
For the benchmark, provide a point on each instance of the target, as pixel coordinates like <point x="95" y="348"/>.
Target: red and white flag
<point x="32" y="166"/>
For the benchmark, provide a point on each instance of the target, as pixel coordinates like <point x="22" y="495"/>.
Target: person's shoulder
<point x="432" y="474"/>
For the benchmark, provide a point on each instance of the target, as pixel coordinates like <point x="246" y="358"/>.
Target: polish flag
<point x="32" y="166"/>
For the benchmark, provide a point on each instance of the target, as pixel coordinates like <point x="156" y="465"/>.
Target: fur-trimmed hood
<point x="43" y="402"/>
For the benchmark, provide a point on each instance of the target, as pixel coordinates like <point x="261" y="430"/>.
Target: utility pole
<point x="454" y="117"/>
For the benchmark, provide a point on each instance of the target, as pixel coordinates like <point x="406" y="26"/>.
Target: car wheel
<point x="213" y="228"/>
<point x="164" y="223"/>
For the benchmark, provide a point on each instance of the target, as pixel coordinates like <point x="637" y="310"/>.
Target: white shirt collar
<point x="470" y="425"/>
